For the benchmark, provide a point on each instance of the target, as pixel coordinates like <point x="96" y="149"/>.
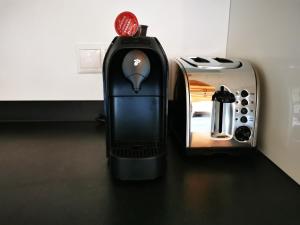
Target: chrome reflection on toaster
<point x="216" y="103"/>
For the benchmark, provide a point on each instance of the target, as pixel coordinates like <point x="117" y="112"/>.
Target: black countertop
<point x="56" y="173"/>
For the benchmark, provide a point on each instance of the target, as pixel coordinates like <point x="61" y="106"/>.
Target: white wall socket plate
<point x="90" y="57"/>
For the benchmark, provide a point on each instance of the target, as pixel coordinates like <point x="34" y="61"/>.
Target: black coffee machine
<point x="135" y="75"/>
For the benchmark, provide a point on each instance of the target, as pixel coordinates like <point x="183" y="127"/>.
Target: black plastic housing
<point x="136" y="121"/>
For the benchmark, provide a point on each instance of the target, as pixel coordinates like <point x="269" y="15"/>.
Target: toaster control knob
<point x="244" y="110"/>
<point x="244" y="119"/>
<point x="244" y="102"/>
<point x="243" y="133"/>
<point x="244" y="93"/>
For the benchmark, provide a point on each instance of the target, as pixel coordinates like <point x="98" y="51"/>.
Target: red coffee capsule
<point x="126" y="24"/>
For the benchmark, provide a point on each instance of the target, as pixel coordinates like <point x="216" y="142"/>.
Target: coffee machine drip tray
<point x="136" y="149"/>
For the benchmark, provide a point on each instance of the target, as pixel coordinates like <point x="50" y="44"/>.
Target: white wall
<point x="268" y="34"/>
<point x="38" y="40"/>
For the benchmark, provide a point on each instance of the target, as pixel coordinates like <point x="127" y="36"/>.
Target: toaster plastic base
<point x="219" y="150"/>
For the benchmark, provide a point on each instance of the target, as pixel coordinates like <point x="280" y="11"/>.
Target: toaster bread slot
<point x="223" y="60"/>
<point x="199" y="60"/>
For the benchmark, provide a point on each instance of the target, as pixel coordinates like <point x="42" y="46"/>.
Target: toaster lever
<point x="222" y="113"/>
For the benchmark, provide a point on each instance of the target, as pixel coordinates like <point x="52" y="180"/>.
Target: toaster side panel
<point x="181" y="121"/>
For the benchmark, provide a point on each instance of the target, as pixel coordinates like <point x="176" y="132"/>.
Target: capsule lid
<point x="126" y="24"/>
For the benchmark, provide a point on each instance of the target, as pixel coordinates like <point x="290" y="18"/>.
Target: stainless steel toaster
<point x="215" y="104"/>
